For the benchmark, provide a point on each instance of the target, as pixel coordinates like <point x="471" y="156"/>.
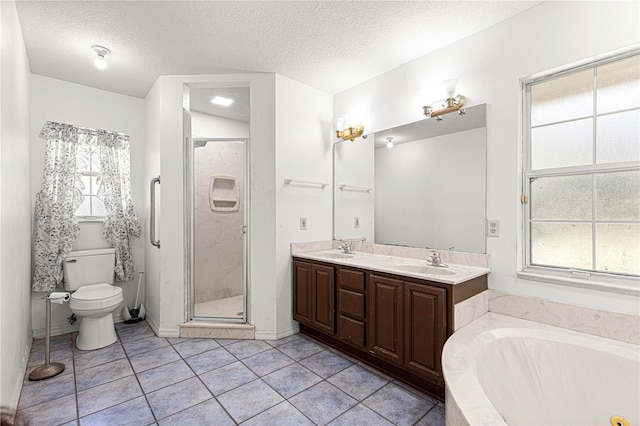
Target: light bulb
<point x="450" y="86"/>
<point x="100" y="62"/>
<point x="389" y="142"/>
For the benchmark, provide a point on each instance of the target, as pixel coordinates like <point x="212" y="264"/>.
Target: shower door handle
<point x="152" y="212"/>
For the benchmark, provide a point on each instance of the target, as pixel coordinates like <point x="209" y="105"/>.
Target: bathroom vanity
<point x="392" y="312"/>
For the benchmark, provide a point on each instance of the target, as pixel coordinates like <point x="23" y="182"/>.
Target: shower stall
<point x="217" y="147"/>
<point x="218" y="228"/>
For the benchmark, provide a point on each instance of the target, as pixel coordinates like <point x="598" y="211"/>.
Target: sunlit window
<point x="89" y="171"/>
<point x="582" y="169"/>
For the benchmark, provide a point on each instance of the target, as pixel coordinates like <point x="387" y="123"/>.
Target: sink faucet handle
<point x="345" y="247"/>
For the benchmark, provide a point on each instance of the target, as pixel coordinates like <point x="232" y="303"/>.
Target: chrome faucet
<point x="434" y="260"/>
<point x="346" y="247"/>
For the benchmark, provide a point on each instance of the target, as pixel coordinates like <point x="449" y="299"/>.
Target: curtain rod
<point x="83" y="128"/>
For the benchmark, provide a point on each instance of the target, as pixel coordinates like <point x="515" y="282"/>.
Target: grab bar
<point x="152" y="212"/>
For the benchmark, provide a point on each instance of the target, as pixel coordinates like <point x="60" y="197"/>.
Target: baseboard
<point x="152" y="323"/>
<point x="17" y="387"/>
<point x="278" y="334"/>
<point x="57" y="330"/>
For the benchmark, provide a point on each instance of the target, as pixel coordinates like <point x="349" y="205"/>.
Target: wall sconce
<point x="350" y="133"/>
<point x="451" y="104"/>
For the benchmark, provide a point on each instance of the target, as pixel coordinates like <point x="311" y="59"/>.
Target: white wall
<point x="57" y="100"/>
<point x="211" y="126"/>
<point x="152" y="120"/>
<point x="354" y="165"/>
<point x="15" y="208"/>
<point x="303" y="151"/>
<point x="490" y="65"/>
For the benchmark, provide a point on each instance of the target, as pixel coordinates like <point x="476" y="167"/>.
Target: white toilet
<point x="89" y="275"/>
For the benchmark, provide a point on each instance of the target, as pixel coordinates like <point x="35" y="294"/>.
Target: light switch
<point x="356" y="222"/>
<point x="303" y="223"/>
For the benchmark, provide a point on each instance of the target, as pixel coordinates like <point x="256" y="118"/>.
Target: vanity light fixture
<point x="219" y="100"/>
<point x="100" y="62"/>
<point x="390" y="142"/>
<point x="451" y="104"/>
<point x="350" y="133"/>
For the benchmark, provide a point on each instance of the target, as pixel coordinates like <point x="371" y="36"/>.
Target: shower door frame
<point x="190" y="223"/>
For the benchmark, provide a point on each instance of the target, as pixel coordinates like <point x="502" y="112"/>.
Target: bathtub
<point x="502" y="370"/>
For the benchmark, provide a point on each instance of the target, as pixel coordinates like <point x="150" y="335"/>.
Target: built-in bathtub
<point x="503" y="370"/>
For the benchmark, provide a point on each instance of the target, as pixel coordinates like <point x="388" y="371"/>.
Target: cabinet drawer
<point x="353" y="280"/>
<point x="351" y="331"/>
<point x="351" y="303"/>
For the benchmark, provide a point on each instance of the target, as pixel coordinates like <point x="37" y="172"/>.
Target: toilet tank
<point x="88" y="267"/>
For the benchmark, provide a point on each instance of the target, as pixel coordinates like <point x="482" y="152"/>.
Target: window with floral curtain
<point x="68" y="154"/>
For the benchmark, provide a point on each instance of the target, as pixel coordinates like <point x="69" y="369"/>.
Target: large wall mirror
<point x="428" y="190"/>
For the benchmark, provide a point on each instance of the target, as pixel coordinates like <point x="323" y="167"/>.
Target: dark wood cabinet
<point x="323" y="298"/>
<point x="302" y="292"/>
<point x="425" y="329"/>
<point x="385" y="318"/>
<point x="314" y="295"/>
<point x="398" y="324"/>
<point x="351" y="327"/>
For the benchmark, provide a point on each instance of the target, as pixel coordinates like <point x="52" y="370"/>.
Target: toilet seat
<point x="96" y="296"/>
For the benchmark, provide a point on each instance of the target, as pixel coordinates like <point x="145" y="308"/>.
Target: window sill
<point x="608" y="283"/>
<point x="91" y="219"/>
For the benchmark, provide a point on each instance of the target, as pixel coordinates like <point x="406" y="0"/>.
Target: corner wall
<point x="61" y="101"/>
<point x="15" y="207"/>
<point x="304" y="123"/>
<point x="489" y="66"/>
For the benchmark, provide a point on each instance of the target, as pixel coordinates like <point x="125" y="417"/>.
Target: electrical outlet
<point x="356" y="222"/>
<point x="493" y="228"/>
<point x="303" y="223"/>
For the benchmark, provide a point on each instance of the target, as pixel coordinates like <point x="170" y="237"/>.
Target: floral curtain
<point x="56" y="226"/>
<point x="115" y="192"/>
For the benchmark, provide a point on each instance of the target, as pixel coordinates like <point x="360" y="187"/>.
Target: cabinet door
<point x="385" y="318"/>
<point x="302" y="292"/>
<point x="425" y="323"/>
<point x="323" y="299"/>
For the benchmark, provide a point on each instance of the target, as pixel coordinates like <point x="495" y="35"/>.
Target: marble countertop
<point x="408" y="267"/>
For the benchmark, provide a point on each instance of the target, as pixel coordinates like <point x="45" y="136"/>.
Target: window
<point x="581" y="180"/>
<point x="89" y="170"/>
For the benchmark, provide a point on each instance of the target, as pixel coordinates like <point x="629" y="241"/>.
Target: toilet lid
<point x="96" y="291"/>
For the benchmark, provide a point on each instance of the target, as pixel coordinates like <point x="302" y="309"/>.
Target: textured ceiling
<point x="330" y="45"/>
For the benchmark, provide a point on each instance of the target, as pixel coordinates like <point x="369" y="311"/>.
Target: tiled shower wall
<point x="217" y="236"/>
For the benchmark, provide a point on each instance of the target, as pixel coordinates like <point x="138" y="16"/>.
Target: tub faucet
<point x="434" y="260"/>
<point x="346" y="247"/>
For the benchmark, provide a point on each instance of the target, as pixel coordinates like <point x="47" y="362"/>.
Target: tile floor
<point x="146" y="380"/>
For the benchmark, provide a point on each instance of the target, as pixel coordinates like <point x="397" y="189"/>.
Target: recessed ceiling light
<point x="219" y="100"/>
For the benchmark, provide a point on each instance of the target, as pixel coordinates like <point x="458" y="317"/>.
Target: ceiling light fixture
<point x="219" y="100"/>
<point x="390" y="142"/>
<point x="451" y="104"/>
<point x="102" y="51"/>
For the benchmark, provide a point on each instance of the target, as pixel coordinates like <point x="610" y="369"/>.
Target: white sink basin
<point x="335" y="255"/>
<point x="422" y="269"/>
